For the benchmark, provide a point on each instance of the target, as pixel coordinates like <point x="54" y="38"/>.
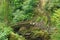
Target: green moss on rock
<point x="14" y="36"/>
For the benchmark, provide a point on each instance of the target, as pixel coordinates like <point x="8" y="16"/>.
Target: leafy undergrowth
<point x="4" y="31"/>
<point x="33" y="33"/>
<point x="56" y="20"/>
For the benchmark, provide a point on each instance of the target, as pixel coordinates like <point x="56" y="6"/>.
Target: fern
<point x="56" y="21"/>
<point x="4" y="31"/>
<point x="23" y="9"/>
<point x="56" y="17"/>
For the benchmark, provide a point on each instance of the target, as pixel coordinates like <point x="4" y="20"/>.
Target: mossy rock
<point x="34" y="33"/>
<point x="14" y="36"/>
<point x="41" y="34"/>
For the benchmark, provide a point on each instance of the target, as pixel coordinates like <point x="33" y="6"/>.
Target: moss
<point x="34" y="33"/>
<point x="14" y="36"/>
<point x="43" y="35"/>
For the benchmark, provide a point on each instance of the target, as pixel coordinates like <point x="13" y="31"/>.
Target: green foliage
<point x="56" y="17"/>
<point x="52" y="5"/>
<point x="12" y="11"/>
<point x="4" y="31"/>
<point x="56" y="22"/>
<point x="23" y="9"/>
